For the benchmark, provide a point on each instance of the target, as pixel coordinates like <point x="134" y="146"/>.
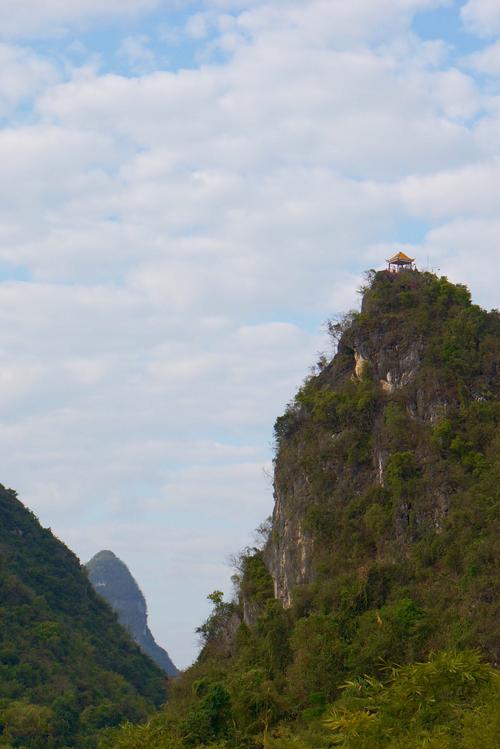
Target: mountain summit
<point x="386" y="471"/>
<point x="113" y="581"/>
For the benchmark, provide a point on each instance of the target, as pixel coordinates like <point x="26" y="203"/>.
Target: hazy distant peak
<point x="103" y="556"/>
<point x="113" y="580"/>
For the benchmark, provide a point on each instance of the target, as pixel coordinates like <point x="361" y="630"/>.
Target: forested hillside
<point x="368" y="618"/>
<point x="67" y="668"/>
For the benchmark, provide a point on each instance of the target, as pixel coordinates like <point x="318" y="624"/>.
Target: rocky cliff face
<point x="113" y="581"/>
<point x="289" y="554"/>
<point x="363" y="466"/>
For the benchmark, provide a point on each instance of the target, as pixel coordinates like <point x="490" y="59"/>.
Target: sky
<point x="188" y="190"/>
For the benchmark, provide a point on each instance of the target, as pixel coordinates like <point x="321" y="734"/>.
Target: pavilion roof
<point x="401" y="257"/>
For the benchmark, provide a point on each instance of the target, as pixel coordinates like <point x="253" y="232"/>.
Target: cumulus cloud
<point x="468" y="191"/>
<point x="485" y="61"/>
<point x="319" y="21"/>
<point x="25" y="18"/>
<point x="482" y="17"/>
<point x="137" y="53"/>
<point x="463" y="248"/>
<point x="213" y="115"/>
<point x="24" y="74"/>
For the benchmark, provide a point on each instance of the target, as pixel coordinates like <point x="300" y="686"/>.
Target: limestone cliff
<point x="376" y="445"/>
<point x="113" y="581"/>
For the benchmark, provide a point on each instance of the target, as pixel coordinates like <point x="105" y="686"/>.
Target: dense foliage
<point x="450" y="702"/>
<point x="67" y="669"/>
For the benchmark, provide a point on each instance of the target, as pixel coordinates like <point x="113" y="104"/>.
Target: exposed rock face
<point x="251" y="612"/>
<point x="224" y="645"/>
<point x="327" y="459"/>
<point x="289" y="553"/>
<point x="395" y="366"/>
<point x="112" y="579"/>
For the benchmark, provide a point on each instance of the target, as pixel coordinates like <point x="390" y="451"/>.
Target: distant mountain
<point x="67" y="668"/>
<point x="112" y="579"/>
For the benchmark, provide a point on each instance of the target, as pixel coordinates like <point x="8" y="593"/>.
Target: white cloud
<point x="482" y="17"/>
<point x="137" y="53"/>
<point x="456" y="94"/>
<point x="42" y="163"/>
<point x="18" y="380"/>
<point x="24" y="74"/>
<point x="273" y="100"/>
<point x="463" y="249"/>
<point x="486" y="60"/>
<point x="25" y="18"/>
<point x="468" y="191"/>
<point x="318" y="21"/>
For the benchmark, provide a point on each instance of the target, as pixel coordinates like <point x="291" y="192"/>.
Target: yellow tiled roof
<point x="400" y="257"/>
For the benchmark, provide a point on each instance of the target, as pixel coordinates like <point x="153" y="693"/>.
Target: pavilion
<point x="400" y="261"/>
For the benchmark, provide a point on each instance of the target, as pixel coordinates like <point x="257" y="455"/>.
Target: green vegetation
<point x="392" y="470"/>
<point x="67" y="669"/>
<point x="387" y="479"/>
<point x="452" y="701"/>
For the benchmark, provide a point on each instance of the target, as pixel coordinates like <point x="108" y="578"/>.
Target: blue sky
<point x="188" y="190"/>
